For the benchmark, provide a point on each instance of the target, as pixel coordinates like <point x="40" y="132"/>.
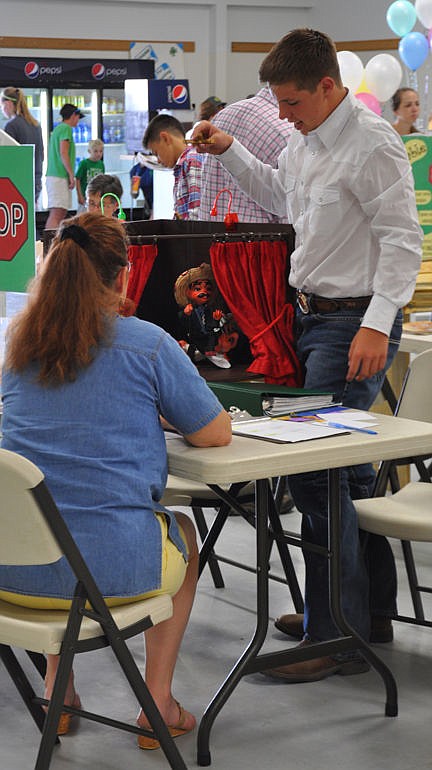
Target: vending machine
<point x="95" y="86"/>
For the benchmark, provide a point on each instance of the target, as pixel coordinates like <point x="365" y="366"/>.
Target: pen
<point x="352" y="427"/>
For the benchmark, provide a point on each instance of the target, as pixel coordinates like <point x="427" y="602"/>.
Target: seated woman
<point x="406" y="107"/>
<point x="84" y="392"/>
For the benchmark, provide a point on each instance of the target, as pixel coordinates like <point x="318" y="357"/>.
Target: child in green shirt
<point x="88" y="168"/>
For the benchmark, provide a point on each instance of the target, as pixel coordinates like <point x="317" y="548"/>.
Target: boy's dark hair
<point x="105" y="183"/>
<point x="302" y="57"/>
<point x="162" y="123"/>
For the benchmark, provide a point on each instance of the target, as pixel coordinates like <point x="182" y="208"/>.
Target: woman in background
<point x="406" y="107"/>
<point x="84" y="391"/>
<point x="24" y="128"/>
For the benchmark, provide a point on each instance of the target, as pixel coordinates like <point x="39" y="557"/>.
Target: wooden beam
<point x="83" y="44"/>
<point x="350" y="45"/>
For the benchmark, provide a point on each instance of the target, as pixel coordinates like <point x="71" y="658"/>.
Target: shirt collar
<point x="181" y="157"/>
<point x="328" y="132"/>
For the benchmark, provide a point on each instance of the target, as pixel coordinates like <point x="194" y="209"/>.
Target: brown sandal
<point x="146" y="742"/>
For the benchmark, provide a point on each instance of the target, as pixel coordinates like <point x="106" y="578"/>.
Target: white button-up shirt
<point x="347" y="187"/>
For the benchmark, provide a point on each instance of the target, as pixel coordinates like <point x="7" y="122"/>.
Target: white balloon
<point x="351" y="69"/>
<point x="383" y="75"/>
<point x="424" y="12"/>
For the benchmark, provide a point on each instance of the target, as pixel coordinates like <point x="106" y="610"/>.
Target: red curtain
<point x="141" y="260"/>
<point x="252" y="279"/>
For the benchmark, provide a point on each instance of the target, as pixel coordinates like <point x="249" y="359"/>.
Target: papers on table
<point x="418" y="327"/>
<point x="284" y="432"/>
<point x="305" y="428"/>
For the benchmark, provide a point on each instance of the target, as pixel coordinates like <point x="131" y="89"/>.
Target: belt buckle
<point x="303" y="302"/>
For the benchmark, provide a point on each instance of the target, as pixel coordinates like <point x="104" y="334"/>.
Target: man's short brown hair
<point x="302" y="57"/>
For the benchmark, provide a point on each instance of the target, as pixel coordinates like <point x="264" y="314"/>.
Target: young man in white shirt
<point x="345" y="182"/>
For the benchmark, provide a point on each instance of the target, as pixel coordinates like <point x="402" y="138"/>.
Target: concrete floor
<point x="338" y="723"/>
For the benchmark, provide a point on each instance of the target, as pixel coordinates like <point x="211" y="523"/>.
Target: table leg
<point x="262" y="495"/>
<point x="334" y="540"/>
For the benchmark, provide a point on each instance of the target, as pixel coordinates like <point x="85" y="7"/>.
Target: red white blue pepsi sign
<point x="168" y="95"/>
<point x="22" y="71"/>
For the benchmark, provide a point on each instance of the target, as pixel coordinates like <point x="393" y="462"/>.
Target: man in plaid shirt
<point x="256" y="124"/>
<point x="165" y="137"/>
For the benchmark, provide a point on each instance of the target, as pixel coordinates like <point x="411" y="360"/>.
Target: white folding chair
<point x="407" y="513"/>
<point x="34" y="532"/>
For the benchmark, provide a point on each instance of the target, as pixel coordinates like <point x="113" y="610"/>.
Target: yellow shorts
<point x="173" y="574"/>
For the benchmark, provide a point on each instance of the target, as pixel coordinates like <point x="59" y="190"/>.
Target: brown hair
<point x="72" y="302"/>
<point x="302" y="57"/>
<point x="397" y="97"/>
<point x="16" y="96"/>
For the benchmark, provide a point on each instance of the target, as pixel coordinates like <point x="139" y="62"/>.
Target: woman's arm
<point x="216" y="433"/>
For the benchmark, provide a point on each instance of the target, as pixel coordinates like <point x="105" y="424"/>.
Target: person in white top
<point x="346" y="184"/>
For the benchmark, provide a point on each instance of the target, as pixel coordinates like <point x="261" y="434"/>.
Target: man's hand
<point x="367" y="354"/>
<point x="220" y="141"/>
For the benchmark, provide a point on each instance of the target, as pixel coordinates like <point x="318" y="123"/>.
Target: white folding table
<point x="253" y="459"/>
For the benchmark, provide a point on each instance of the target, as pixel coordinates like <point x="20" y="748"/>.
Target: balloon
<point x="363" y="89"/>
<point x="351" y="69"/>
<point x="383" y="75"/>
<point x="424" y="12"/>
<point x="370" y="101"/>
<point x="401" y="17"/>
<point x="413" y="49"/>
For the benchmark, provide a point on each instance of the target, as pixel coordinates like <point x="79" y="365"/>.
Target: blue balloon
<point x="401" y="17"/>
<point x="413" y="49"/>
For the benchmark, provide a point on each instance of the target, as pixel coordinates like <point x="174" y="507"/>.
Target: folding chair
<point x="33" y="532"/>
<point x="407" y="513"/>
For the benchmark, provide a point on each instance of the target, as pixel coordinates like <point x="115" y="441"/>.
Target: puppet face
<point x="200" y="292"/>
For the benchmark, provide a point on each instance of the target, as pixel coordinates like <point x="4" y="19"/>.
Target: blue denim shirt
<point x="99" y="442"/>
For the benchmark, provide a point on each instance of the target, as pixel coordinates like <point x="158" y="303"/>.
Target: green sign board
<point x="17" y="218"/>
<point x="419" y="149"/>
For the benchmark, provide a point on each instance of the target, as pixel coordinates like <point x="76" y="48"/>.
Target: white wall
<point x="213" y="26"/>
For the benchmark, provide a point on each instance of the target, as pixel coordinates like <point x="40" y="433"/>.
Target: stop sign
<point x="13" y="220"/>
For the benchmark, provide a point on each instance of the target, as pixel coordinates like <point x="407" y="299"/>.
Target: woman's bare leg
<point x="163" y="641"/>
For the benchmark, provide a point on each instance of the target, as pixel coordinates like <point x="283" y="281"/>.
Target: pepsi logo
<point x="98" y="71"/>
<point x="179" y="94"/>
<point x="31" y="69"/>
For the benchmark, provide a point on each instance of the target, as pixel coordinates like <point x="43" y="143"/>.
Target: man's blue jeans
<point x="322" y="345"/>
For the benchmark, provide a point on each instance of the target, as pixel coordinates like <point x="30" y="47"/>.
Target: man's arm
<point x="260" y="181"/>
<point x="64" y="155"/>
<point x="385" y="190"/>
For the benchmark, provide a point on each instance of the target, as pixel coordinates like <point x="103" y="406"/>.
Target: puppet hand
<point x="217" y="315"/>
<point x="188" y="309"/>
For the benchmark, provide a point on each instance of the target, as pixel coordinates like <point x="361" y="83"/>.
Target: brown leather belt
<point x="312" y="303"/>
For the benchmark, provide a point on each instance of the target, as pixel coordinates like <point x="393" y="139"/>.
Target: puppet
<point x="207" y="330"/>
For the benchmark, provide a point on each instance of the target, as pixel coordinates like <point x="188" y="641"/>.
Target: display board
<point x="17" y="219"/>
<point x="419" y="149"/>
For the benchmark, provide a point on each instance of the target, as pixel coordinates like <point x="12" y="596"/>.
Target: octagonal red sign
<point x="13" y="220"/>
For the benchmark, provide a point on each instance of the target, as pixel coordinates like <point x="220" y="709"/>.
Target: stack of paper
<point x="274" y="406"/>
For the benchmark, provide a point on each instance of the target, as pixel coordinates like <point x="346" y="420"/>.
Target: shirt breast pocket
<point x="324" y="209"/>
